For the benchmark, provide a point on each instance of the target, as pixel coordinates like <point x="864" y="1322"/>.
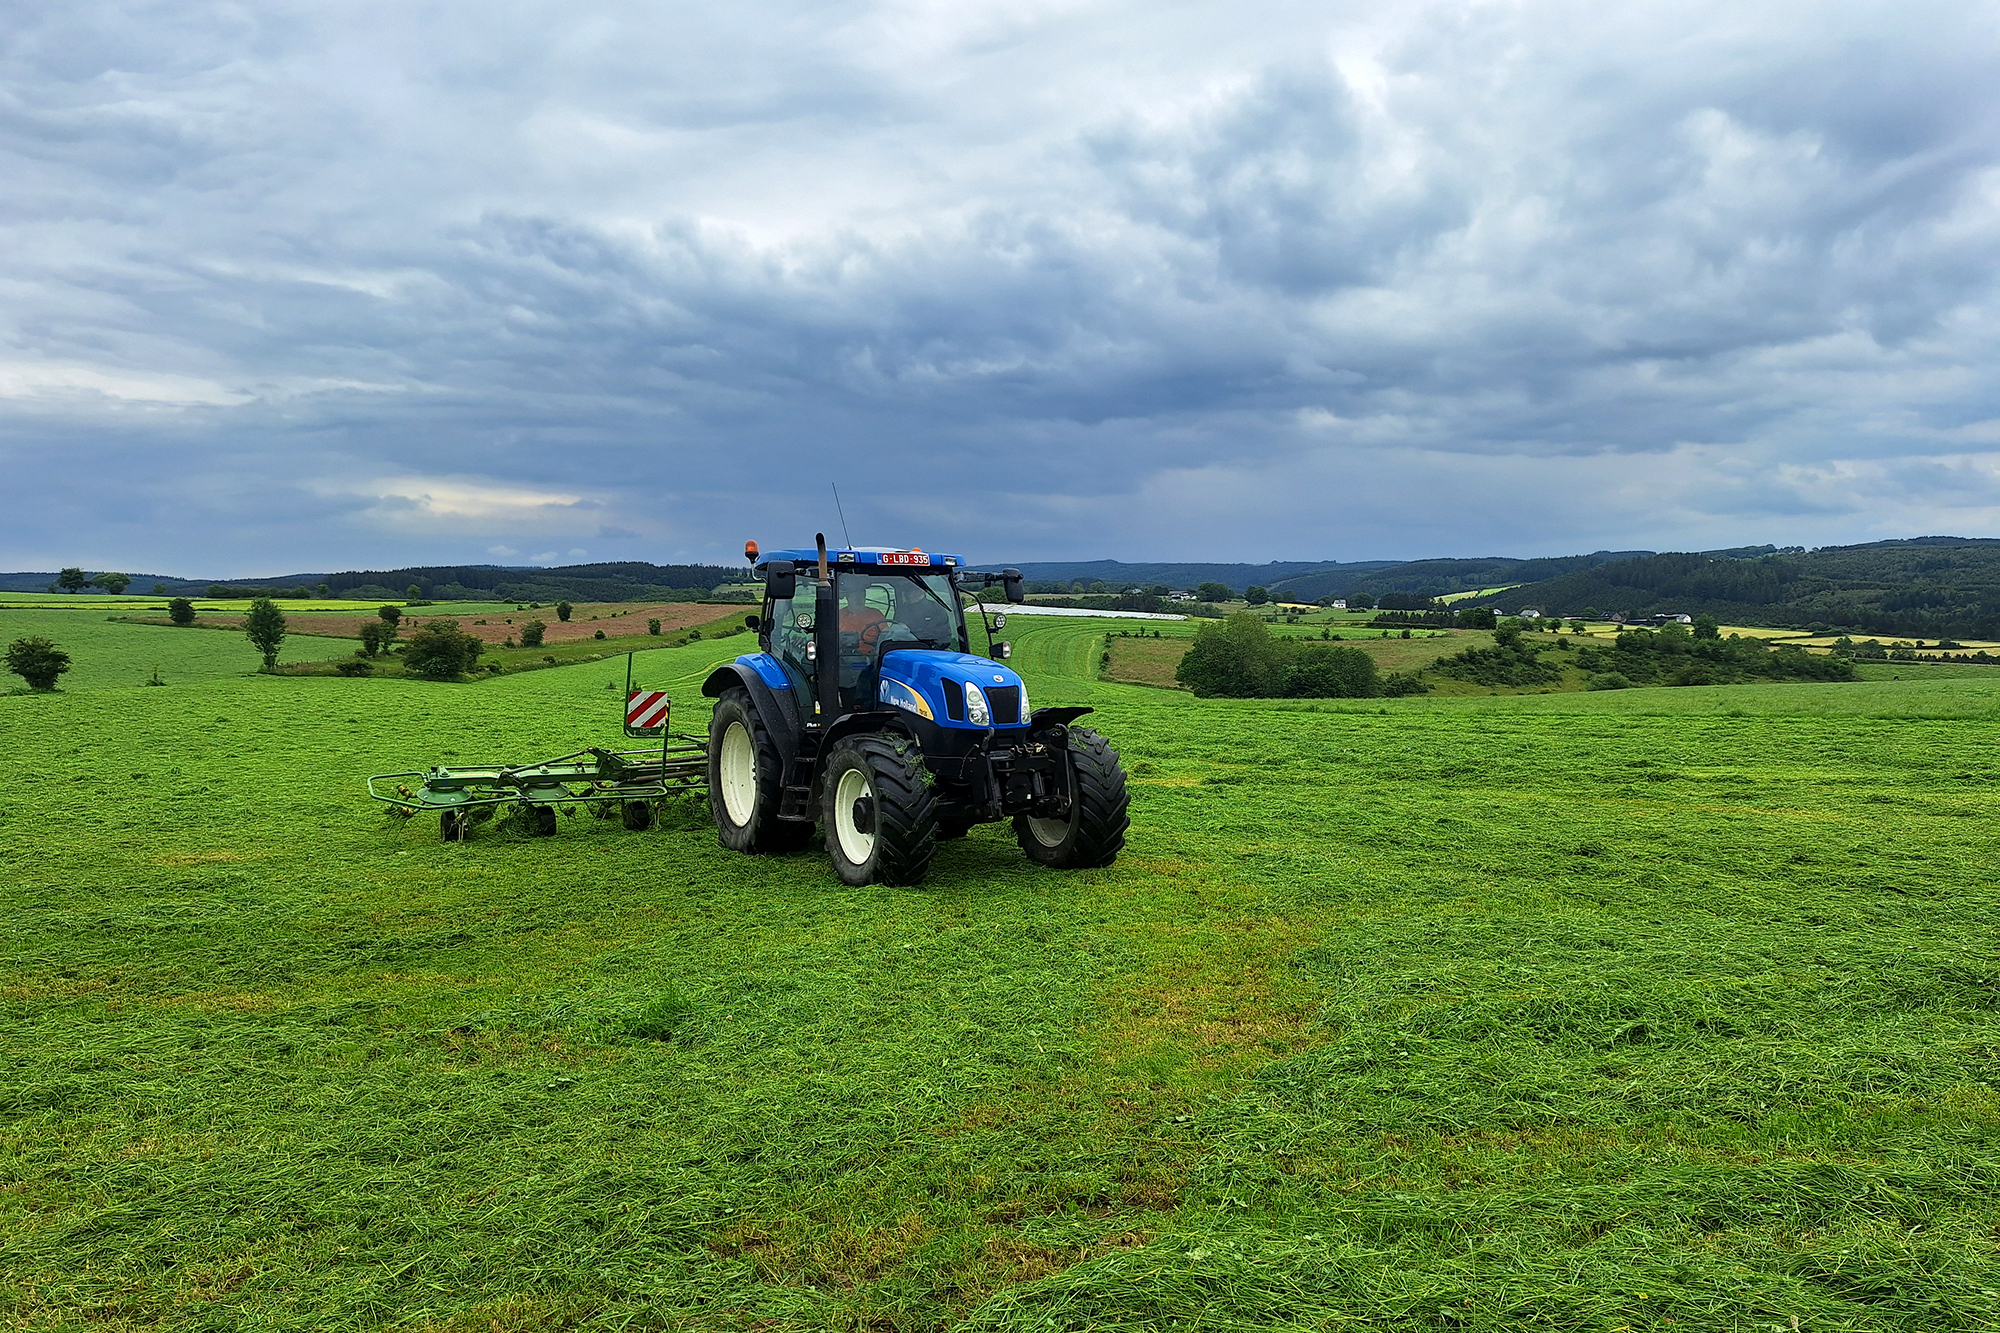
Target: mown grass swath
<point x="1571" y="1011"/>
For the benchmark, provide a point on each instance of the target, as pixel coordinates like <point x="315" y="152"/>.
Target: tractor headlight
<point x="976" y="711"/>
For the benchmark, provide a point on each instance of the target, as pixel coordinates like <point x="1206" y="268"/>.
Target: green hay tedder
<point x="632" y="779"/>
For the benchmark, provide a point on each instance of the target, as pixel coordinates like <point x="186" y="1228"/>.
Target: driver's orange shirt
<point x="865" y="622"/>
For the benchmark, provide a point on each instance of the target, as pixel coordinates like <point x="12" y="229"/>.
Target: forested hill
<point x="1190" y="574"/>
<point x="1440" y="577"/>
<point x="1925" y="587"/>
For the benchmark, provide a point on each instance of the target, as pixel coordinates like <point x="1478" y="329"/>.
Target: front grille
<point x="1005" y="701"/>
<point x="954" y="700"/>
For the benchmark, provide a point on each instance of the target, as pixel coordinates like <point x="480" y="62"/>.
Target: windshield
<point x="899" y="610"/>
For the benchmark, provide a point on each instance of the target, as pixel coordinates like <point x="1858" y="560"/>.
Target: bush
<point x="37" y="661"/>
<point x="392" y="615"/>
<point x="600" y="634"/>
<point x="562" y="610"/>
<point x="441" y="651"/>
<point x="354" y="667"/>
<point x="266" y="627"/>
<point x="652" y="627"/>
<point x="1610" y="680"/>
<point x="1332" y="673"/>
<point x="531" y="634"/>
<point x="1674" y="656"/>
<point x="1509" y="662"/>
<point x="181" y="611"/>
<point x="1476" y="617"/>
<point x="1256" y="596"/>
<point x="1238" y="659"/>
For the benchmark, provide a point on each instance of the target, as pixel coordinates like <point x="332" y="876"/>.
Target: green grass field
<point x="106" y="655"/>
<point x="1649" y="1009"/>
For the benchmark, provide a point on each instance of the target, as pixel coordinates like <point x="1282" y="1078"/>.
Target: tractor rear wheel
<point x="745" y="777"/>
<point x="881" y="815"/>
<point x="1094" y="830"/>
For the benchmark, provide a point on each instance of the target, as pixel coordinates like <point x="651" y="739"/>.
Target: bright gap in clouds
<point x="309" y="288"/>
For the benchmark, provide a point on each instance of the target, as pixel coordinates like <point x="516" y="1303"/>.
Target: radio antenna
<point x="843" y="516"/>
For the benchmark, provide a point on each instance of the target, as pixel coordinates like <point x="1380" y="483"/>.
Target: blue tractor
<point x="867" y="712"/>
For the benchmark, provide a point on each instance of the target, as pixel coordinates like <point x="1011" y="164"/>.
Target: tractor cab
<point x="879" y="610"/>
<point x="866" y="710"/>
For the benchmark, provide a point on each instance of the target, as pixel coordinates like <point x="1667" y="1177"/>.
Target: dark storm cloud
<point x="289" y="288"/>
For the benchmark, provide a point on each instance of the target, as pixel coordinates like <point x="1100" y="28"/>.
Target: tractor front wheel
<point x="1094" y="830"/>
<point x="745" y="775"/>
<point x="881" y="815"/>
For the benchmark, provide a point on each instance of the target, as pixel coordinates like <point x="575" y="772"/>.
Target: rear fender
<point x="778" y="715"/>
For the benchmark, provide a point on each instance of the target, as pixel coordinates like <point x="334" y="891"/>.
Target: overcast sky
<point x="307" y="286"/>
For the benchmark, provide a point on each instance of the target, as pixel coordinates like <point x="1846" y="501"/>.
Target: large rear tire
<point x="1094" y="832"/>
<point x="745" y="779"/>
<point x="880" y="812"/>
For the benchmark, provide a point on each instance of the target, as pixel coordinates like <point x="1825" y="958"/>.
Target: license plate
<point x="904" y="558"/>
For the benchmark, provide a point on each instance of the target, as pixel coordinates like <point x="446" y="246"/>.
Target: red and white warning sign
<point x="646" y="708"/>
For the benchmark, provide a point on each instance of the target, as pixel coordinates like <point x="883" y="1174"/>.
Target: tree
<point x="562" y="610"/>
<point x="377" y="636"/>
<point x="1706" y="627"/>
<point x="441" y="651"/>
<point x="652" y="627"/>
<point x="72" y="580"/>
<point x="181" y="611"/>
<point x="266" y="627"/>
<point x="37" y="661"/>
<point x="159" y="590"/>
<point x="1476" y="617"/>
<point x="1236" y="659"/>
<point x="219" y="590"/>
<point x="1256" y="596"/>
<point x="1214" y="592"/>
<point x="1360" y="601"/>
<point x="531" y="634"/>
<point x="414" y="590"/>
<point x="393" y="615"/>
<point x="324" y="590"/>
<point x="113" y="583"/>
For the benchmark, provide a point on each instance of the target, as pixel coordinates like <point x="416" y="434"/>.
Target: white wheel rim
<point x="739" y="774"/>
<point x="855" y="845"/>
<point x="1048" y="832"/>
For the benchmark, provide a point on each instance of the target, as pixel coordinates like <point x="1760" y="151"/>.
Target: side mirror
<point x="781" y="578"/>
<point x="1012" y="579"/>
<point x="752" y="622"/>
<point x="1003" y="650"/>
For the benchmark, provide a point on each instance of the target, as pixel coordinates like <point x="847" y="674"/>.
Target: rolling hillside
<point x="1926" y="587"/>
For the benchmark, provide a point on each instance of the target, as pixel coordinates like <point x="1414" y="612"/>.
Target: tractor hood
<point x="932" y="683"/>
